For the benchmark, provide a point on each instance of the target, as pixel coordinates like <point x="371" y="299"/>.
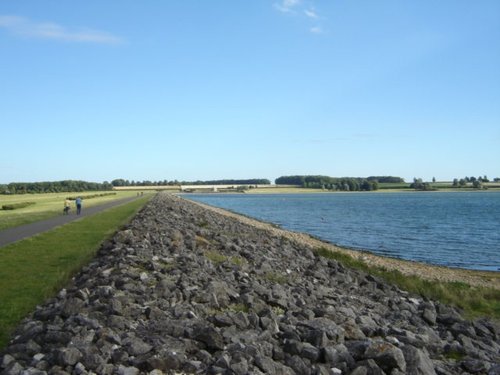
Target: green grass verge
<point x="34" y="269"/>
<point x="474" y="301"/>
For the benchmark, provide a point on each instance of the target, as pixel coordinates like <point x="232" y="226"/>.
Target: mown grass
<point x="34" y="269"/>
<point x="474" y="301"/>
<point x="47" y="205"/>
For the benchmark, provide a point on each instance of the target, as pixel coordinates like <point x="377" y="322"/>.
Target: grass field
<point x="34" y="269"/>
<point x="48" y="205"/>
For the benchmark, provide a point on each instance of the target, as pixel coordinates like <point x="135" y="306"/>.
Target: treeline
<point x="476" y="182"/>
<point x="255" y="181"/>
<point x="419" y="184"/>
<point x="335" y="183"/>
<point x="53" y="187"/>
<point x="386" y="179"/>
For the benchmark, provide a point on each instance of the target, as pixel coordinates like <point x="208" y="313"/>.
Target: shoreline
<point x="488" y="279"/>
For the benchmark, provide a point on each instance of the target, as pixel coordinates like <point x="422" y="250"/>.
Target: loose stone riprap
<point x="186" y="290"/>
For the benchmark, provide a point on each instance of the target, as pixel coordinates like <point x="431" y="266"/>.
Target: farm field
<point x="49" y="204"/>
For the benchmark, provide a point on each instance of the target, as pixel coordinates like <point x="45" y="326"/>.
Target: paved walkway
<point x="10" y="235"/>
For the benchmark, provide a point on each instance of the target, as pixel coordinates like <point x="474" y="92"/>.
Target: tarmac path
<point x="18" y="233"/>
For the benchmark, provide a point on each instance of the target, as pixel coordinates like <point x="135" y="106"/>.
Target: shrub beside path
<point x="15" y="234"/>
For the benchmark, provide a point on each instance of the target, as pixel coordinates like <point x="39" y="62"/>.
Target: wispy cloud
<point x="48" y="30"/>
<point x="299" y="8"/>
<point x="287" y="6"/>
<point x="311" y="13"/>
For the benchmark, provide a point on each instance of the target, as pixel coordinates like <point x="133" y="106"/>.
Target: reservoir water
<point x="454" y="229"/>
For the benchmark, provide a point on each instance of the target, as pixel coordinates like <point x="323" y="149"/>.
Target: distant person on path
<point x="78" y="203"/>
<point x="67" y="204"/>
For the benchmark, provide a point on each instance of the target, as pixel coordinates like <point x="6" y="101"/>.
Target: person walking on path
<point x="66" y="207"/>
<point x="78" y="203"/>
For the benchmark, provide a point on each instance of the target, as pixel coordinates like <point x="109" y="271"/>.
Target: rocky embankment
<point x="186" y="290"/>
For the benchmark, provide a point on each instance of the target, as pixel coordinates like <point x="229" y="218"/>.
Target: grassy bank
<point x="34" y="269"/>
<point x="475" y="301"/>
<point x="48" y="205"/>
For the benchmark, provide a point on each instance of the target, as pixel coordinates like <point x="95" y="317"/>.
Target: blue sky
<point x="98" y="90"/>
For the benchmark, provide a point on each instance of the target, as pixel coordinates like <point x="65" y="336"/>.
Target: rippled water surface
<point x="453" y="229"/>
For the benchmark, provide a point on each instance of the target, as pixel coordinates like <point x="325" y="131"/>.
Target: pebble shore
<point x="184" y="289"/>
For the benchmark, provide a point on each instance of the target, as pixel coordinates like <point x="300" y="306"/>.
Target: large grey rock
<point x="13" y="368"/>
<point x="69" y="356"/>
<point x="387" y="356"/>
<point x="210" y="337"/>
<point x="136" y="346"/>
<point x="417" y="361"/>
<point x="266" y="364"/>
<point x="475" y="366"/>
<point x="333" y="332"/>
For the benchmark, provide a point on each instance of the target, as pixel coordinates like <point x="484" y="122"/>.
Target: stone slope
<point x="186" y="290"/>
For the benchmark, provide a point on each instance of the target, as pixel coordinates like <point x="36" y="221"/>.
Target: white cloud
<point x="311" y="13"/>
<point x="46" y="30"/>
<point x="287" y="6"/>
<point x="299" y="8"/>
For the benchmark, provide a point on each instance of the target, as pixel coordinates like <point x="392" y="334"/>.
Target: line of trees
<point x="477" y="183"/>
<point x="330" y="183"/>
<point x="419" y="184"/>
<point x="255" y="181"/>
<point x="53" y="187"/>
<point x="386" y="179"/>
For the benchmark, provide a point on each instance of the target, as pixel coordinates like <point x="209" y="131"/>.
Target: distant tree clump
<point x="329" y="183"/>
<point x="476" y="182"/>
<point x="386" y="179"/>
<point x="418" y="184"/>
<point x="53" y="187"/>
